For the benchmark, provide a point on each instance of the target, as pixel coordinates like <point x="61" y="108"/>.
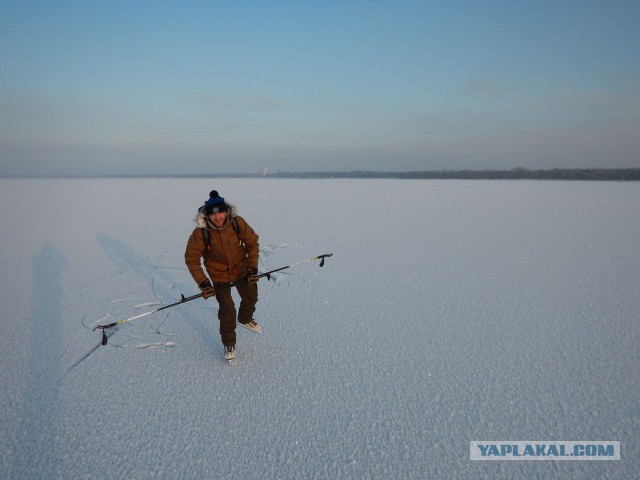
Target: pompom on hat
<point x="215" y="204"/>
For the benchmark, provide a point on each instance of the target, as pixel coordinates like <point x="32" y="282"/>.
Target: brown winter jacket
<point x="227" y="260"/>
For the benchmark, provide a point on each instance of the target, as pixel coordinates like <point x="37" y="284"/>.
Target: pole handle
<point x="322" y="257"/>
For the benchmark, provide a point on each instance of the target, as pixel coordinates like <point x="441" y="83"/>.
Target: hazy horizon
<point x="519" y="173"/>
<point x="119" y="88"/>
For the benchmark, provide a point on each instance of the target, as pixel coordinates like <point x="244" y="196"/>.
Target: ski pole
<point x="218" y="286"/>
<point x="268" y="274"/>
<point x="120" y="322"/>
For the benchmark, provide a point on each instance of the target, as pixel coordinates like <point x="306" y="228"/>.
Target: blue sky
<point x="116" y="87"/>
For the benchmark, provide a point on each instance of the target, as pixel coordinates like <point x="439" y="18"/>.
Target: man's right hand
<point x="207" y="289"/>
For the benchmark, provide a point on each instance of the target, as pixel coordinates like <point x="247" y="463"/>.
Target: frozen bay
<point x="451" y="311"/>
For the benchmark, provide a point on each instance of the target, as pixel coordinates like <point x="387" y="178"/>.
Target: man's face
<point x="218" y="218"/>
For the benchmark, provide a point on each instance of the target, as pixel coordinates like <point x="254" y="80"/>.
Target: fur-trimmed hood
<point x="203" y="222"/>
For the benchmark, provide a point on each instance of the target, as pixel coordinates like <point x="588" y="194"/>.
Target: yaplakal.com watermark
<point x="544" y="450"/>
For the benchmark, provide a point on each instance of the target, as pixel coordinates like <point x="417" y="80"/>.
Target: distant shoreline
<point x="590" y="174"/>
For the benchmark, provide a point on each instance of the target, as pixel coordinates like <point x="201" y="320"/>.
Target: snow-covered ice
<point x="451" y="311"/>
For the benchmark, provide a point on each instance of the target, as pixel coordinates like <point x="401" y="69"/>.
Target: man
<point x="229" y="249"/>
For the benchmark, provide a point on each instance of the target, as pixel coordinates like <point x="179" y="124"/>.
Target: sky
<point x="204" y="87"/>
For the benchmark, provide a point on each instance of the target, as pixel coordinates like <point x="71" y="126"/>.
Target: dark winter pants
<point x="227" y="310"/>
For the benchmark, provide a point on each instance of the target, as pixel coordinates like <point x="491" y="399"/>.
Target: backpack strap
<point x="206" y="236"/>
<point x="207" y="241"/>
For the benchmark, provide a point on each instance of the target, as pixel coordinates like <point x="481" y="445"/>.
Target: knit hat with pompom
<point x="215" y="204"/>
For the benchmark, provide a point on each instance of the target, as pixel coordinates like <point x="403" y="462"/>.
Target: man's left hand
<point x="252" y="275"/>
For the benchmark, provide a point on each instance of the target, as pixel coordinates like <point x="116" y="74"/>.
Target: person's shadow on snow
<point x="39" y="422"/>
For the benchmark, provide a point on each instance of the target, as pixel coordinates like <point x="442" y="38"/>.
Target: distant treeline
<point x="618" y="174"/>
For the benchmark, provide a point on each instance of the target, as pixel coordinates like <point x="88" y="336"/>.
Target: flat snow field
<point x="450" y="312"/>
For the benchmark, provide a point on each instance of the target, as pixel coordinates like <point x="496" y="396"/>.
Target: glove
<point x="252" y="275"/>
<point x="207" y="289"/>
